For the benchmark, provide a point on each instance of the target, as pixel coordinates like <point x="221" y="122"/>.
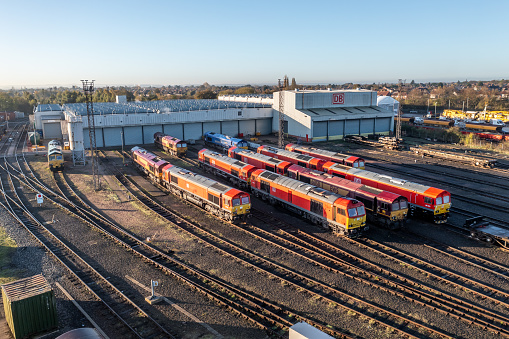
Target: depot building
<point x="331" y="115"/>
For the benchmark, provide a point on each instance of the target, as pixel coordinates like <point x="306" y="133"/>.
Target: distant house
<point x="400" y="95"/>
<point x="384" y="93"/>
<point x="422" y="90"/>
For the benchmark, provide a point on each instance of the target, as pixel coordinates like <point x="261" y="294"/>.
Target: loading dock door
<point x="336" y="129"/>
<point x="352" y="127"/>
<point x="264" y="126"/>
<point x="112" y="136"/>
<point x="175" y="130"/>
<point x="230" y="128"/>
<point x="319" y="130"/>
<point x="52" y="130"/>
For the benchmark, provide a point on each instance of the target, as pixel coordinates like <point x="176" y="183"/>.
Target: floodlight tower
<point x="281" y="134"/>
<point x="88" y="89"/>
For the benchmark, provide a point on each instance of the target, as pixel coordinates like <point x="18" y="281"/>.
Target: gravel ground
<point x="191" y="251"/>
<point x="30" y="259"/>
<point x="93" y="245"/>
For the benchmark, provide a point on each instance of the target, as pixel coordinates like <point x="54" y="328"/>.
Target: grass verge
<point x="7" y="248"/>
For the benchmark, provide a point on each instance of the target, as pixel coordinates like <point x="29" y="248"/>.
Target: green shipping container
<point x="30" y="306"/>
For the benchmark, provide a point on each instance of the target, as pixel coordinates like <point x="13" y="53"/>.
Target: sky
<point x="58" y="43"/>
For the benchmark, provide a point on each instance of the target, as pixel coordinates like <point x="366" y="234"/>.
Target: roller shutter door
<point x="367" y="126"/>
<point x="193" y="131"/>
<point x="264" y="126"/>
<point x="212" y="126"/>
<point x="133" y="135"/>
<point x="52" y="130"/>
<point x="174" y="130"/>
<point x="112" y="136"/>
<point x="319" y="130"/>
<point x="336" y="130"/>
<point x="230" y="127"/>
<point x="247" y="127"/>
<point x="98" y="138"/>
<point x="383" y="125"/>
<point x="352" y="127"/>
<point x="149" y="131"/>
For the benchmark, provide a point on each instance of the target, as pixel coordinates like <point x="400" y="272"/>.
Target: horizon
<point x="58" y="43"/>
<point x="100" y="85"/>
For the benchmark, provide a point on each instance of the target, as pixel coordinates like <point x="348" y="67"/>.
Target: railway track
<point x="340" y="261"/>
<point x="131" y="321"/>
<point x="481" y="317"/>
<point x="260" y="306"/>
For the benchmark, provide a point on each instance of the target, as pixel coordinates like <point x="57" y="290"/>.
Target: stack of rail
<point x="476" y="161"/>
<point x="385" y="142"/>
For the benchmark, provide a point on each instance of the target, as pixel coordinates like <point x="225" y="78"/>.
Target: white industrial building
<point x="388" y="103"/>
<point x="331" y="115"/>
<point x="310" y="115"/>
<point x="134" y="123"/>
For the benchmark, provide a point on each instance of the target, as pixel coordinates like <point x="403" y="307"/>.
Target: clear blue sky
<point x="46" y="43"/>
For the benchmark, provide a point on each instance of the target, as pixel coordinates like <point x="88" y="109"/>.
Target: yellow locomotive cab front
<point x="241" y="205"/>
<point x="356" y="218"/>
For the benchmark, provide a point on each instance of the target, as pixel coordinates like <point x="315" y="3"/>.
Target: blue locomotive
<point x="223" y="142"/>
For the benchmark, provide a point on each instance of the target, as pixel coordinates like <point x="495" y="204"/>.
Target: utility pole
<point x="281" y="134"/>
<point x="88" y="89"/>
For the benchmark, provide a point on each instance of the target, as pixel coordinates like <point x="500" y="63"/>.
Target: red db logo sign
<point x="338" y="98"/>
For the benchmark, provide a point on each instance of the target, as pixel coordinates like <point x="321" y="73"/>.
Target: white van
<point x="418" y="120"/>
<point x="497" y="122"/>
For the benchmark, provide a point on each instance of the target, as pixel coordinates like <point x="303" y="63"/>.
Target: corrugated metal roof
<point x="334" y="112"/>
<point x="26" y="288"/>
<point x="48" y="108"/>
<point x="159" y="106"/>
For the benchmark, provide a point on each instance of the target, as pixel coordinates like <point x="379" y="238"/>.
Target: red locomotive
<point x="223" y="201"/>
<point x="382" y="207"/>
<point x="424" y="200"/>
<point x="170" y="144"/>
<point x="340" y="158"/>
<point x="342" y="215"/>
<point x="297" y="159"/>
<point x="259" y="160"/>
<point x="237" y="172"/>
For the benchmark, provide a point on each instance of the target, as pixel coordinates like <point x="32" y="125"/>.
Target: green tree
<point x="206" y="94"/>
<point x="245" y="90"/>
<point x="226" y="92"/>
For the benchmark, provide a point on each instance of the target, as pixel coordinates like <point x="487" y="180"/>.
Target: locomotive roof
<point x="324" y="152"/>
<point x="258" y="156"/>
<point x="390" y="180"/>
<point x="289" y="154"/>
<point x="296" y="185"/>
<point x="223" y="136"/>
<point x="226" y="159"/>
<point x="197" y="179"/>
